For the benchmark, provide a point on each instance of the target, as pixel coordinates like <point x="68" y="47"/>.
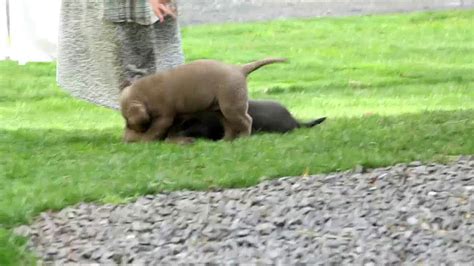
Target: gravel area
<point x="218" y="11"/>
<point x="408" y="213"/>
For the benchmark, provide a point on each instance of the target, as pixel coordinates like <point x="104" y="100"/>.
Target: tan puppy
<point x="150" y="104"/>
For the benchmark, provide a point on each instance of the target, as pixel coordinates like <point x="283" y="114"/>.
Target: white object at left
<point x="4" y="42"/>
<point x="34" y="27"/>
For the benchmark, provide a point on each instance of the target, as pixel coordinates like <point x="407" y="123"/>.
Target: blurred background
<point x="29" y="28"/>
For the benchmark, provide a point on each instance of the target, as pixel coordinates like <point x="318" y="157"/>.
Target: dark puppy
<point x="267" y="116"/>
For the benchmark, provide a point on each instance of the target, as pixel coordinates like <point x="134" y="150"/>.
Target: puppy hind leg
<point x="233" y="105"/>
<point x="236" y="124"/>
<point x="245" y="126"/>
<point x="227" y="129"/>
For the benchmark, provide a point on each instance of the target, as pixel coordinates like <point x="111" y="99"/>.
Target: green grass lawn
<point x="395" y="88"/>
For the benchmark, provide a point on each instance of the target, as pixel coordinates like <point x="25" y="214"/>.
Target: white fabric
<point x="4" y="47"/>
<point x="34" y="30"/>
<point x="95" y="56"/>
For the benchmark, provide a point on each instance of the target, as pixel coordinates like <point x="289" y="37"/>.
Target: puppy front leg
<point x="158" y="128"/>
<point x="131" y="135"/>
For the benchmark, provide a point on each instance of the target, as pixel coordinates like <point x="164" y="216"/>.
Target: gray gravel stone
<point x="323" y="219"/>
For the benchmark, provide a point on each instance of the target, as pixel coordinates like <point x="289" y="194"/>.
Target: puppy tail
<point x="312" y="123"/>
<point x="251" y="67"/>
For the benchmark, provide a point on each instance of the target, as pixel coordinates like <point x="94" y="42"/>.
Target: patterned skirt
<point x="95" y="56"/>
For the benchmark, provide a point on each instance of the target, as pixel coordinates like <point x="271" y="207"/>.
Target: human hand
<point x="162" y="8"/>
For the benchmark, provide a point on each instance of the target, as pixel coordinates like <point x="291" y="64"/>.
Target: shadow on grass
<point x="387" y="79"/>
<point x="49" y="138"/>
<point x="425" y="123"/>
<point x="95" y="157"/>
<point x="112" y="137"/>
<point x="24" y="98"/>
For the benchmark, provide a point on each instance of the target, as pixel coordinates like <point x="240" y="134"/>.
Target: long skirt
<point x="95" y="56"/>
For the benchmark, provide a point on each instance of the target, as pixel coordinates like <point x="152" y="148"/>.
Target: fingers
<point x="161" y="10"/>
<point x="169" y="11"/>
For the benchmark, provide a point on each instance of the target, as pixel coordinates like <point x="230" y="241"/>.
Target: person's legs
<point x="137" y="49"/>
<point x="87" y="54"/>
<point x="146" y="49"/>
<point x="96" y="55"/>
<point x="168" y="47"/>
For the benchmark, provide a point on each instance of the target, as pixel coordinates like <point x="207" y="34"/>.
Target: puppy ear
<point x="138" y="118"/>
